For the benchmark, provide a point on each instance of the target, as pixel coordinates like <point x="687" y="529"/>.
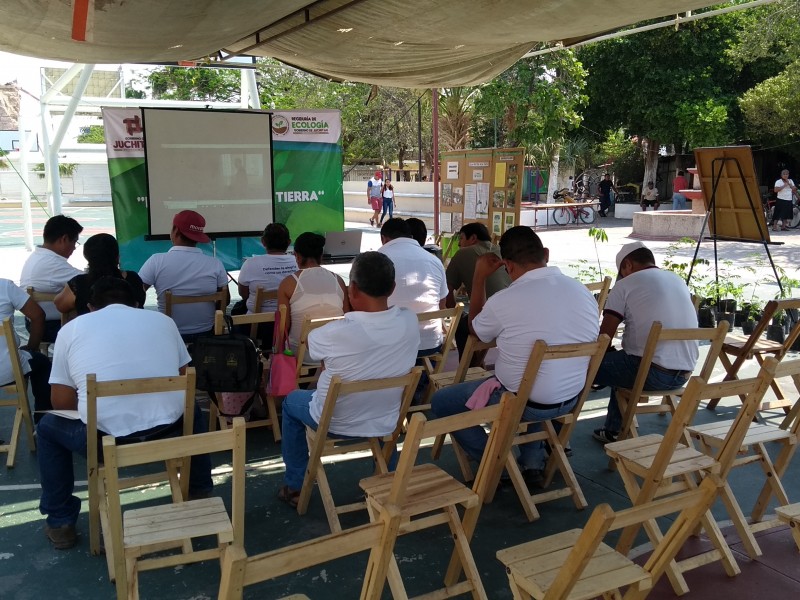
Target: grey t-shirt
<point x="462" y="268"/>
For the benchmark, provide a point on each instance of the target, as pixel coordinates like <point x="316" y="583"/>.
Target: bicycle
<point x="769" y="210"/>
<point x="570" y="214"/>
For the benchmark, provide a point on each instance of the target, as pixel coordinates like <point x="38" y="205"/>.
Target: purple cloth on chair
<point x="480" y="397"/>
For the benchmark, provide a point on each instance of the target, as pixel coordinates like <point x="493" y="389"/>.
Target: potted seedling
<point x="775" y="331"/>
<point x="754" y="316"/>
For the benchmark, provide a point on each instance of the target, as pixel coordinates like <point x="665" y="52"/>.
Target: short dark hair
<point x="522" y="246"/>
<point x="418" y="230"/>
<point x="276" y="237"/>
<point x="479" y="230"/>
<point x="112" y="290"/>
<point x="310" y="245"/>
<point x="680" y="172"/>
<point x="395" y="228"/>
<point x="61" y="225"/>
<point x="642" y="256"/>
<point x="373" y="273"/>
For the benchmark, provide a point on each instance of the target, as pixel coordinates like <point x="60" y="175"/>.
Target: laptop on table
<point x="341" y="246"/>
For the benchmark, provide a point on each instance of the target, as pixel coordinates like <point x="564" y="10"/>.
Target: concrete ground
<point x="30" y="568"/>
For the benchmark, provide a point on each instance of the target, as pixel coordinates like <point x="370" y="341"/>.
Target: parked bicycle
<point x="769" y="210"/>
<point x="571" y="214"/>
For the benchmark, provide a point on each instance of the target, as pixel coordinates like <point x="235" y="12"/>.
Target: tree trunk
<point x="650" y="148"/>
<point x="552" y="184"/>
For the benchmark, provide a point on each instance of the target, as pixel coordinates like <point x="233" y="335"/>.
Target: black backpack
<point x="227" y="363"/>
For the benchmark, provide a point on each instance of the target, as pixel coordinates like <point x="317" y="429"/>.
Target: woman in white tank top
<point x="313" y="290"/>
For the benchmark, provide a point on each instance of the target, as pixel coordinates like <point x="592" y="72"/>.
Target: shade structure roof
<point x="408" y="43"/>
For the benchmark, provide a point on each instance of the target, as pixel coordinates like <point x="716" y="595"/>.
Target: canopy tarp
<point x="402" y="43"/>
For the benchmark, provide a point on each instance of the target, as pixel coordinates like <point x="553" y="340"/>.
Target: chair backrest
<point x="174" y="449"/>
<point x="691" y="505"/>
<point x="263" y="296"/>
<point x="253" y="319"/>
<point x="601" y="288"/>
<point x="10" y="340"/>
<point x="791" y="421"/>
<point x="40" y="297"/>
<point x="473" y="345"/>
<point x="125" y="387"/>
<point x="219" y="298"/>
<point x="792" y="304"/>
<point x="772" y="307"/>
<point x="309" y="325"/>
<point x="435" y="362"/>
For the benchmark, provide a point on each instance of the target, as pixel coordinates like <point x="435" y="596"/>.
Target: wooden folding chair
<point x="16" y="395"/>
<point x="711" y="437"/>
<point x="98" y="502"/>
<point x="39" y="297"/>
<point x="653" y="466"/>
<point x="322" y="443"/>
<point x="577" y="564"/>
<point x="421" y="496"/>
<point x="557" y="441"/>
<point x="434" y="363"/>
<point x="253" y="319"/>
<point x="218" y="298"/>
<point x="149" y="530"/>
<point x="307" y="374"/>
<point x="742" y="348"/>
<point x="668" y="399"/>
<point x="600" y="289"/>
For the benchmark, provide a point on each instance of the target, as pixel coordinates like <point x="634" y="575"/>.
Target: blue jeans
<point x="452" y="401"/>
<point x="678" y="201"/>
<point x="388" y="204"/>
<point x="619" y="369"/>
<point x="58" y="438"/>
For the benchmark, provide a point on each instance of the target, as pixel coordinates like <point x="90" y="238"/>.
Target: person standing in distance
<point x="678" y="184"/>
<point x="375" y="196"/>
<point x="782" y="215"/>
<point x="605" y="194"/>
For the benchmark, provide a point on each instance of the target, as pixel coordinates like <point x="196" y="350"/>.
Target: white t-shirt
<point x="267" y="271"/>
<point x="655" y="295"/>
<point x="364" y="345"/>
<point x="374" y="187"/>
<point x="420" y="284"/>
<point x="120" y="342"/>
<point x="48" y="272"/>
<point x="542" y="304"/>
<point x="11" y="298"/>
<point x="785" y="193"/>
<point x="187" y="272"/>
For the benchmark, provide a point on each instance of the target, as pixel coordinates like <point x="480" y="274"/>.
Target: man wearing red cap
<point x="375" y="196"/>
<point x="186" y="271"/>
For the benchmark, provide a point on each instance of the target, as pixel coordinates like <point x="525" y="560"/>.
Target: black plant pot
<point x="705" y="317"/>
<point x="740" y="316"/>
<point x="728" y="305"/>
<point x="725" y="316"/>
<point x="775" y="333"/>
<point x="796" y="345"/>
<point x="748" y="327"/>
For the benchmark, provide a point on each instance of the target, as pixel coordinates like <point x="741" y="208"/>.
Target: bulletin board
<point x="482" y="185"/>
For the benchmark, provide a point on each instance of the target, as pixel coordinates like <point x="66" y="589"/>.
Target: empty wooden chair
<point x="322" y="443"/>
<point x="434" y="363"/>
<point x="654" y="466"/>
<point x="600" y="289"/>
<point x="738" y="349"/>
<point x="791" y="516"/>
<point x="98" y="503"/>
<point x="16" y="395"/>
<point x="576" y="564"/>
<point x="711" y="438"/>
<point x="143" y="531"/>
<point x="309" y="373"/>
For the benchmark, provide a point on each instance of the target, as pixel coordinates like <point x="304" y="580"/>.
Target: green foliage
<point x="624" y="154"/>
<point x="4" y="164"/>
<point x="95" y="135"/>
<point x="64" y="169"/>
<point x="772" y="108"/>
<point x="195" y="83"/>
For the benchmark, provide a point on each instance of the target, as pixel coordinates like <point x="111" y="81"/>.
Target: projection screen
<point x="216" y="162"/>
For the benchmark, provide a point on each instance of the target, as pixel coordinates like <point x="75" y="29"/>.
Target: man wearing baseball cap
<point x="375" y="196"/>
<point x="186" y="271"/>
<point x="643" y="294"/>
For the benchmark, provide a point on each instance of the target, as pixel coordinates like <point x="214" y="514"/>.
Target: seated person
<point x="313" y="290"/>
<point x="47" y="269"/>
<point x="650" y="197"/>
<point x="102" y="253"/>
<point x="35" y="365"/>
<point x="114" y="341"/>
<point x="186" y="271"/>
<point x="534" y="307"/>
<point x="371" y="342"/>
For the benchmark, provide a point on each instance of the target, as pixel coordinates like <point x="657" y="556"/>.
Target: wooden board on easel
<point x="737" y="213"/>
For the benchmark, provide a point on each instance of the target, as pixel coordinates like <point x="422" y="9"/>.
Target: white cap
<point x="626" y="250"/>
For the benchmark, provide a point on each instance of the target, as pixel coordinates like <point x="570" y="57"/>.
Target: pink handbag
<point x="283" y="367"/>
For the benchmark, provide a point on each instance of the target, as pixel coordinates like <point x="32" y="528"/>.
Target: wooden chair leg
<point x="327" y="499"/>
<point x="272" y="411"/>
<point x="461" y="541"/>
<point x="740" y="522"/>
<point x="521" y="488"/>
<point x="773" y="482"/>
<point x="12" y="444"/>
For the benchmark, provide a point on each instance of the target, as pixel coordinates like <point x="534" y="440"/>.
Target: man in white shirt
<point x="420" y="281"/>
<point x="372" y="341"/>
<point x="114" y="341"/>
<point x="643" y="294"/>
<point x="540" y="304"/>
<point x="186" y="271"/>
<point x="782" y="213"/>
<point x="47" y="269"/>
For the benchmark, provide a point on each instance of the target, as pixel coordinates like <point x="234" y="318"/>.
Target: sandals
<point x="289" y="496"/>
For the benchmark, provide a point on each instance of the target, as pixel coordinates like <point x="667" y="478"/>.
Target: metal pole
<point x="435" y="94"/>
<point x="25" y="197"/>
<point x="419" y="139"/>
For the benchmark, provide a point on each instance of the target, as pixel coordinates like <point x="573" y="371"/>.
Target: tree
<point x="195" y="83"/>
<point x="95" y="134"/>
<point x="455" y="116"/>
<point x="772" y="108"/>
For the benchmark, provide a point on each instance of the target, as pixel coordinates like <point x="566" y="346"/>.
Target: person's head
<point x="378" y="174"/>
<point x="61" y="234"/>
<point x="394" y="228"/>
<point x="276" y="237"/>
<point x="308" y="249"/>
<point x="418" y="230"/>
<point x="634" y="257"/>
<point x="522" y="251"/>
<point x="101" y="251"/>
<point x="111" y="290"/>
<point x="650" y="184"/>
<point x="680" y="173"/>
<point x="188" y="229"/>
<point x="607" y="176"/>
<point x="371" y="281"/>
<point x="472" y="233"/>
<point x="785" y="174"/>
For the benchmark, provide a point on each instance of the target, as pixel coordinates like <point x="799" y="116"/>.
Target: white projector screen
<point x="215" y="162"/>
